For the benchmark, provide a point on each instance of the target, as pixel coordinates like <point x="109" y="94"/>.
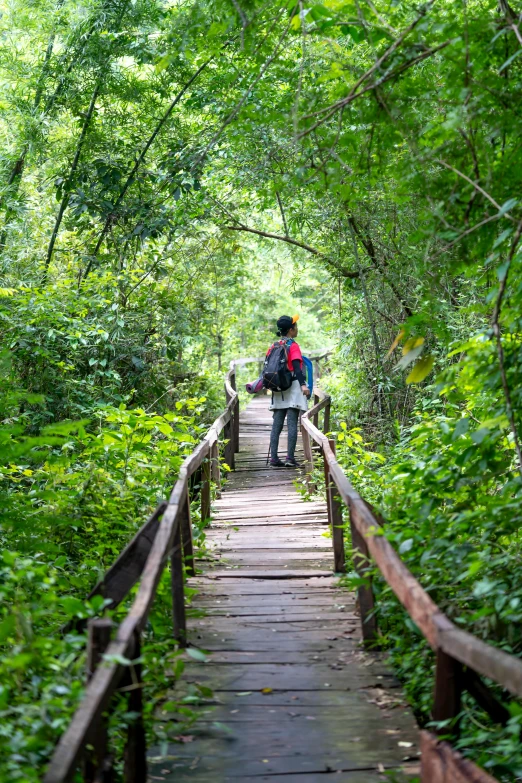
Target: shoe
<point x="291" y="462"/>
<point x="276" y="463"/>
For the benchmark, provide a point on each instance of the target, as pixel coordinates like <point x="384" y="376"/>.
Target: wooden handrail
<point x="167" y="534"/>
<point x="460" y="656"/>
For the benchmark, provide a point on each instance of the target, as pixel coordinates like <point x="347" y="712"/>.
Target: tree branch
<point x="372" y="255"/>
<point x="139" y="160"/>
<point x="344" y="272"/>
<point x="282" y="212"/>
<point x="476" y="186"/>
<point x="374" y="86"/>
<point x="391" y="49"/>
<point x="67" y="187"/>
<point x="495" y="325"/>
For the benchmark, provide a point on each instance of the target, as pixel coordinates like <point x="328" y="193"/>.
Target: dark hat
<point x="285" y="323"/>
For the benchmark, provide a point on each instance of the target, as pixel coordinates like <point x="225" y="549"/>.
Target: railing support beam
<point x="96" y="766"/>
<point x="335" y="517"/>
<point x="185" y="527"/>
<point x="215" y="470"/>
<point x="365" y="597"/>
<point x="448" y="691"/>
<point x="309" y="459"/>
<point x="179" y="621"/>
<point x="135" y="758"/>
<point x="205" y="490"/>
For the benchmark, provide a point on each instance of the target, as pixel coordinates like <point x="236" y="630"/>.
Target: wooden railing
<point x="460" y="657"/>
<point x="166" y="536"/>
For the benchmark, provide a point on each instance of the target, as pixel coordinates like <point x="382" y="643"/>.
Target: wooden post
<point x="235" y="421"/>
<point x="178" y="595"/>
<point x="135" y="759"/>
<point x="215" y="471"/>
<point x="98" y="639"/>
<point x="228" y="434"/>
<point x="326" y="420"/>
<point x="326" y="484"/>
<point x="316" y="415"/>
<point x="236" y="425"/>
<point x="185" y="526"/>
<point x="205" y="490"/>
<point x="448" y="691"/>
<point x="335" y="517"/>
<point x="365" y="597"/>
<point x="309" y="460"/>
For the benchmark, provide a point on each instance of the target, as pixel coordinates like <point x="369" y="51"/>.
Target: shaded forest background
<point x="173" y="177"/>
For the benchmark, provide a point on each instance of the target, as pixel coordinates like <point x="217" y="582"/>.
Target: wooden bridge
<point x="295" y="693"/>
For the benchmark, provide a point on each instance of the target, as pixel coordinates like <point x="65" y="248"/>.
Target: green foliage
<point x="141" y="142"/>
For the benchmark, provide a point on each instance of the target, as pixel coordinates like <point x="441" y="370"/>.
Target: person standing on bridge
<point x="288" y="404"/>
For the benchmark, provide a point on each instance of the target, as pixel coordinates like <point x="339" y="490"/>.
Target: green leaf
<point x="509" y="204"/>
<point x="196" y="654"/>
<point x="461" y="427"/>
<point x="406" y="546"/>
<point x="355" y="33"/>
<point x="7" y="627"/>
<point x="73" y="606"/>
<point x="510" y="60"/>
<point x="421" y="370"/>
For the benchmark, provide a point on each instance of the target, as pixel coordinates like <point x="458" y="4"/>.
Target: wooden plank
<point x="331" y="656"/>
<point x="269" y="574"/>
<point x="281" y="677"/>
<point x="259" y="640"/>
<point x="275" y="603"/>
<point x="317" y="619"/>
<point x="195" y="776"/>
<point x="227" y="766"/>
<point x="274" y="611"/>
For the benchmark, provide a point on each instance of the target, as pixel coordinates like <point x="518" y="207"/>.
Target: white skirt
<point x="291" y="398"/>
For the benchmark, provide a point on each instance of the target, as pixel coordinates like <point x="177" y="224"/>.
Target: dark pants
<point x="292" y="415"/>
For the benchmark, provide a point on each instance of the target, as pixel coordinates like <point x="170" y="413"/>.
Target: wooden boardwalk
<point x="296" y="699"/>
